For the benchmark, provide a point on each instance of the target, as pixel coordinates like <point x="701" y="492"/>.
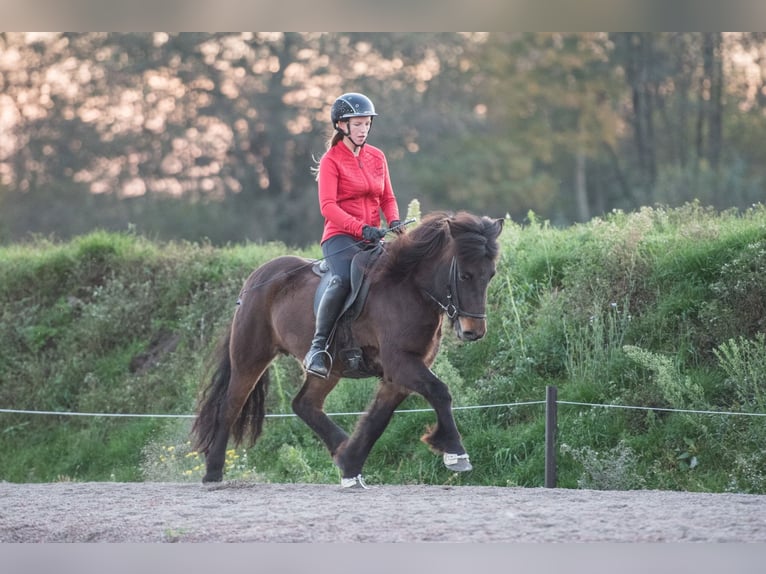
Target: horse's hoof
<point x="212" y="477"/>
<point x="353" y="483"/>
<point x="457" y="462"/>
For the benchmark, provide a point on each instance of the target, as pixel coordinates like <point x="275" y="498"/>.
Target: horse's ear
<point x="499" y="225"/>
<point x="495" y="225"/>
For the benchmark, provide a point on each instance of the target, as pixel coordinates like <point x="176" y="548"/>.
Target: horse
<point x="441" y="268"/>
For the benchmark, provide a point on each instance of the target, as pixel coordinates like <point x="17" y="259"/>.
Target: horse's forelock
<point x="474" y="236"/>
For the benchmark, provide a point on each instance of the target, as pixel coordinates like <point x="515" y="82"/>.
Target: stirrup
<point x="310" y="359"/>
<point x="354" y="483"/>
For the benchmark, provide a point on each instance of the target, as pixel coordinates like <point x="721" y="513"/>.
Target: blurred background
<point x="212" y="136"/>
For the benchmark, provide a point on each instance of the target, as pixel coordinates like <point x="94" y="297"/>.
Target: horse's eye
<point x="465" y="276"/>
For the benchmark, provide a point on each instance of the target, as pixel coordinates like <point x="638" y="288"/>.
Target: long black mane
<point x="474" y="237"/>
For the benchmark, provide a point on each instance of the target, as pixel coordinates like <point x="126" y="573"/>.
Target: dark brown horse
<point x="440" y="268"/>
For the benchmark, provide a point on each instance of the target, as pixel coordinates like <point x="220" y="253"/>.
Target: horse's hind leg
<point x="352" y="455"/>
<point x="308" y="405"/>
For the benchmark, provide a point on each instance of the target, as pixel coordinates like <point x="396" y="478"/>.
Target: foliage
<point x="172" y="459"/>
<point x="614" y="469"/>
<point x="744" y="362"/>
<point x="675" y="389"/>
<point x="658" y="309"/>
<point x="189" y="135"/>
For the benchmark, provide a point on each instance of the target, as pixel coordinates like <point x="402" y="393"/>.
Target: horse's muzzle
<point x="470" y="329"/>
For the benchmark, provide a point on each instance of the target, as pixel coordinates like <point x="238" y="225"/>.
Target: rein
<point x="314" y="261"/>
<point x="452" y="308"/>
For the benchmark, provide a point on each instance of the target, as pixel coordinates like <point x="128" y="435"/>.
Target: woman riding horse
<point x="354" y="186"/>
<point x="442" y="268"/>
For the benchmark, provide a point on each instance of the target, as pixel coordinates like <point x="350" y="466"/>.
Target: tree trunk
<point x="581" y="191"/>
<point x="714" y="63"/>
<point x="639" y="62"/>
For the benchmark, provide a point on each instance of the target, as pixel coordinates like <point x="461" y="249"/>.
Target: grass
<point x="661" y="308"/>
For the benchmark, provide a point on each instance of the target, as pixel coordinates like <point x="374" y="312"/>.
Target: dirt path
<point x="249" y="512"/>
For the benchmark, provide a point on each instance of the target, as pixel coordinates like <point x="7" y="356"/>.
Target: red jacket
<point x="353" y="190"/>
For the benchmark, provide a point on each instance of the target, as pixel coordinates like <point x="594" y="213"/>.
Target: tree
<point x="214" y="135"/>
<point x="551" y="107"/>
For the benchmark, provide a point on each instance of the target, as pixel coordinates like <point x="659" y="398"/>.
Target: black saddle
<point x="357" y="295"/>
<point x="341" y="345"/>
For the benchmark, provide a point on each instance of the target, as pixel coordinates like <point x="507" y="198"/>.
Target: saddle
<point x="340" y="342"/>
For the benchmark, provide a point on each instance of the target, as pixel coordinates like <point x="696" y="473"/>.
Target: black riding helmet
<point x="351" y="105"/>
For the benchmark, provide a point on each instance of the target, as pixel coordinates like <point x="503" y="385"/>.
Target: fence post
<point x="551" y="394"/>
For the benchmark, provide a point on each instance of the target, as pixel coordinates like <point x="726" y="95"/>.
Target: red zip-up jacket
<point x="354" y="189"/>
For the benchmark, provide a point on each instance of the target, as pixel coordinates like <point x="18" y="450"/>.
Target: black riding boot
<point x="318" y="361"/>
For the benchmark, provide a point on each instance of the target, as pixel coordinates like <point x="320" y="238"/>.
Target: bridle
<point x="452" y="307"/>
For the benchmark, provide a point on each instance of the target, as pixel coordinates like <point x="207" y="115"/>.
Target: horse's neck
<point x="433" y="278"/>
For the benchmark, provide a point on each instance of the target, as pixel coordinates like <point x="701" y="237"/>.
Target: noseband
<point x="452" y="307"/>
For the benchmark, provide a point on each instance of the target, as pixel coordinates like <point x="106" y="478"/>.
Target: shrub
<point x="744" y="362"/>
<point x="614" y="469"/>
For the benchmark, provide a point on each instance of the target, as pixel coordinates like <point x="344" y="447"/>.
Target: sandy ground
<point x="251" y="512"/>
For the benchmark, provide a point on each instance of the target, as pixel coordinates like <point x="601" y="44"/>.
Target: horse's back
<point x="276" y="277"/>
<point x="283" y="264"/>
<point x="275" y="306"/>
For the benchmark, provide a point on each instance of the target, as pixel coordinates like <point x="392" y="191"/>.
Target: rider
<point x="354" y="187"/>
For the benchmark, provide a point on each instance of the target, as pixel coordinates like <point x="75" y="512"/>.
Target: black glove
<point x="396" y="226"/>
<point x="373" y="234"/>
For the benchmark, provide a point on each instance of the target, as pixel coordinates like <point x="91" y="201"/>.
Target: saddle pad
<point x="359" y="284"/>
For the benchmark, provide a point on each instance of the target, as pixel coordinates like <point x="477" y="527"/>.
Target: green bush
<point x="744" y="362"/>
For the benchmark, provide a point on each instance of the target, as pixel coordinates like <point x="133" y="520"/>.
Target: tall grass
<point x="659" y="309"/>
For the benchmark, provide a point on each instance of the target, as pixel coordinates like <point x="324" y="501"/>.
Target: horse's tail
<point x="249" y="422"/>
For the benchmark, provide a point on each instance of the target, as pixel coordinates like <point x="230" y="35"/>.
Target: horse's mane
<point x="475" y="237"/>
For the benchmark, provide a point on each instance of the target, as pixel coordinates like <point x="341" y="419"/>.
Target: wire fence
<point x="399" y="411"/>
<point x="551" y="403"/>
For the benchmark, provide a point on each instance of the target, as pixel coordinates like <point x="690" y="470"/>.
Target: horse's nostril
<point x="470" y="330"/>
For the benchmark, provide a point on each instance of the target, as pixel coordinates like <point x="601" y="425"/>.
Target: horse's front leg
<point x="352" y="455"/>
<point x="444" y="437"/>
<point x="308" y="404"/>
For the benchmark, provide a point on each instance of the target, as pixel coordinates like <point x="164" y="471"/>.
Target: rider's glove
<point x="373" y="234"/>
<point x="397" y="227"/>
